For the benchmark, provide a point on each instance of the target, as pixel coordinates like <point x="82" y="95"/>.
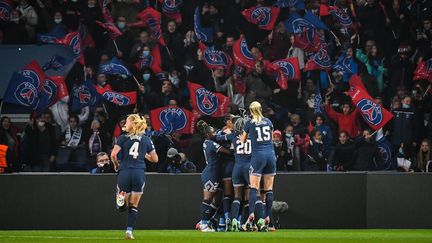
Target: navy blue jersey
<point x="261" y="135"/>
<point x="242" y="151"/>
<point x="211" y="150"/>
<point x="133" y="151"/>
<point x="226" y="144"/>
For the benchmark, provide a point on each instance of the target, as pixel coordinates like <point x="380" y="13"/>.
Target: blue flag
<point x="22" y="91"/>
<point x="115" y="67"/>
<point x="385" y="160"/>
<point x="55" y="63"/>
<point x="324" y="79"/>
<point x="314" y="20"/>
<point x="345" y="65"/>
<point x="318" y="100"/>
<point x="297" y="4"/>
<point x="202" y="34"/>
<point x="84" y="95"/>
<point x="50" y="37"/>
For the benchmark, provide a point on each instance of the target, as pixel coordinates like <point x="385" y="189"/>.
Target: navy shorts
<point x="227" y="169"/>
<point x="240" y="174"/>
<point x="131" y="180"/>
<point x="210" y="179"/>
<point x="263" y="163"/>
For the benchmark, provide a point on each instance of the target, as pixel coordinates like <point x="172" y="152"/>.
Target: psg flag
<point x="374" y="115"/>
<point x="424" y="70"/>
<point x="214" y="59"/>
<point x="297" y="4"/>
<point x="309" y="40"/>
<point x="207" y="102"/>
<point x="111" y="28"/>
<point x="264" y="17"/>
<point x="242" y="55"/>
<point x="22" y="90"/>
<point x="114" y="67"/>
<point x="152" y="19"/>
<point x="171" y="8"/>
<point x="152" y="61"/>
<point x="55" y="63"/>
<point x="172" y="119"/>
<point x="55" y="89"/>
<point x="6" y="7"/>
<point x="51" y="36"/>
<point x="290" y="68"/>
<point x="204" y="34"/>
<point x="118" y="98"/>
<point x="73" y="40"/>
<point x="318" y="61"/>
<point x="84" y="95"/>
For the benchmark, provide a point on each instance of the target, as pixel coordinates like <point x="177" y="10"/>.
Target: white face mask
<point x="91" y="5"/>
<point x="58" y="20"/>
<point x="16" y="20"/>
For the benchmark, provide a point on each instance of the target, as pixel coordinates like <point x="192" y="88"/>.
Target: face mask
<point x="146" y="76"/>
<point x="102" y="83"/>
<point x="121" y="25"/>
<point x="74" y="1"/>
<point x="41" y="123"/>
<point x="174" y="80"/>
<point x="145" y="53"/>
<point x="288" y="135"/>
<point x="91" y="5"/>
<point x="16" y="20"/>
<point x="58" y="21"/>
<point x="406" y="106"/>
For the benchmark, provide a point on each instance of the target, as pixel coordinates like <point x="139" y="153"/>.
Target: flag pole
<point x="136" y="80"/>
<point x="336" y="39"/>
<point x="115" y="44"/>
<point x="427" y="90"/>
<point x="1" y="107"/>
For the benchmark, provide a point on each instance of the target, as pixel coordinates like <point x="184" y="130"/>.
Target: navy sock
<point x="235" y="208"/>
<point x="258" y="209"/>
<point x="132" y="216"/>
<point x="252" y="200"/>
<point x="269" y="204"/>
<point x="226" y="206"/>
<point x="206" y="212"/>
<point x="245" y="212"/>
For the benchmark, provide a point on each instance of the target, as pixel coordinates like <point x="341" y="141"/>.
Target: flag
<point x="172" y="119"/>
<point x="114" y="67"/>
<point x="22" y="90"/>
<point x="385" y="152"/>
<point x="290" y="68"/>
<point x="55" y="63"/>
<point x="314" y="20"/>
<point x="34" y="74"/>
<point x="84" y="95"/>
<point x="118" y="98"/>
<point x="308" y="40"/>
<point x="152" y="61"/>
<point x="106" y="14"/>
<point x="324" y="9"/>
<point x="324" y="79"/>
<point x="296" y="24"/>
<point x="86" y="38"/>
<point x="207" y="102"/>
<point x="214" y="58"/>
<point x="50" y="37"/>
<point x="345" y="65"/>
<point x="264" y="17"/>
<point x="342" y="17"/>
<point x="152" y="19"/>
<point x="297" y="4"/>
<point x="171" y="8"/>
<point x="423" y="71"/>
<point x="204" y="34"/>
<point x="111" y="28"/>
<point x="73" y="40"/>
<point x="242" y="55"/>
<point x="55" y="87"/>
<point x="356" y="81"/>
<point x="374" y="115"/>
<point x="318" y="100"/>
<point x="6" y="7"/>
<point x="276" y="71"/>
<point x="318" y="61"/>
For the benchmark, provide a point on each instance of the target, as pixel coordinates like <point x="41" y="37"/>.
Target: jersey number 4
<point x="133" y="151"/>
<point x="263" y="133"/>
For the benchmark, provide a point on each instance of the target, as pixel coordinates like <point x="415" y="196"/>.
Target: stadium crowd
<point x="319" y="128"/>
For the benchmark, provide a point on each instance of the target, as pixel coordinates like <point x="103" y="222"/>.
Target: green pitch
<point x="190" y="236"/>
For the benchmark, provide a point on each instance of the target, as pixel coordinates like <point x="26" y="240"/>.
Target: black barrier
<point x="316" y="200"/>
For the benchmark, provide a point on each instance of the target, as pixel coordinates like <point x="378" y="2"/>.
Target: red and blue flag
<point x="84" y="95"/>
<point x="118" y="98"/>
<point x="284" y="70"/>
<point x="318" y="61"/>
<point x="73" y="40"/>
<point x="297" y="4"/>
<point x="423" y="70"/>
<point x="215" y="59"/>
<point x="345" y="65"/>
<point x="152" y="61"/>
<point x="55" y="63"/>
<point x="114" y="67"/>
<point x="242" y="55"/>
<point x="152" y="19"/>
<point x="264" y="17"/>
<point x="173" y="119"/>
<point x="50" y="37"/>
<point x="207" y="102"/>
<point x="204" y="34"/>
<point x="111" y="28"/>
<point x="171" y="8"/>
<point x="6" y="7"/>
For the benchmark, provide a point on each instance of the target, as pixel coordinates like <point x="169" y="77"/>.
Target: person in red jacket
<point x="347" y="120"/>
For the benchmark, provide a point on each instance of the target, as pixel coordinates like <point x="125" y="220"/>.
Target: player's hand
<point x="116" y="167"/>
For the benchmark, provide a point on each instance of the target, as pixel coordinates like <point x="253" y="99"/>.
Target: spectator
<point x="72" y="154"/>
<point x="9" y="137"/>
<point x="97" y="143"/>
<point x="178" y="163"/>
<point x="368" y="154"/>
<point x="347" y="121"/>
<point x="289" y="143"/>
<point x="103" y="163"/>
<point x="404" y="124"/>
<point x="280" y="150"/>
<point x="316" y="159"/>
<point x="424" y="157"/>
<point x="15" y="31"/>
<point x="345" y="153"/>
<point x="29" y="17"/>
<point x="256" y="86"/>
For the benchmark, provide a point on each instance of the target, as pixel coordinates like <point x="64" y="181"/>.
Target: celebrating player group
<point x="237" y="180"/>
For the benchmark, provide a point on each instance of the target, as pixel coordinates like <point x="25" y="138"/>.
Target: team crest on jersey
<point x="116" y="98"/>
<point x="173" y="119"/>
<point x="370" y="111"/>
<point x="171" y="6"/>
<point x="207" y="102"/>
<point x="261" y="15"/>
<point x="245" y="50"/>
<point x="26" y="94"/>
<point x="287" y="68"/>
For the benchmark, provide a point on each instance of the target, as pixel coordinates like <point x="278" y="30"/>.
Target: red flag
<point x="356" y="81"/>
<point x="242" y="55"/>
<point x="153" y="61"/>
<point x="118" y="98"/>
<point x="423" y="71"/>
<point x="309" y="40"/>
<point x="34" y="74"/>
<point x="107" y="15"/>
<point x="112" y="29"/>
<point x="324" y="10"/>
<point x="214" y="58"/>
<point x="73" y="40"/>
<point x="207" y="102"/>
<point x="138" y="24"/>
<point x="62" y="90"/>
<point x="171" y="8"/>
<point x="310" y="128"/>
<point x="152" y="19"/>
<point x="173" y="119"/>
<point x="289" y="69"/>
<point x="374" y="115"/>
<point x="318" y="61"/>
<point x="264" y="17"/>
<point x="277" y="72"/>
<point x="86" y="38"/>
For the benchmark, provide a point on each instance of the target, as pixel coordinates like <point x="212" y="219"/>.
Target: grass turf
<point x="190" y="236"/>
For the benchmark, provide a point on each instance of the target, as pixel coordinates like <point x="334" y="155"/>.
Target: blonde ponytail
<point x="256" y="112"/>
<point x="139" y="124"/>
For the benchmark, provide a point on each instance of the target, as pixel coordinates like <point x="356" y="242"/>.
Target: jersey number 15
<point x="264" y="133"/>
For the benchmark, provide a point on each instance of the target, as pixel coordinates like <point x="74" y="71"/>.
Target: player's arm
<point x="243" y="137"/>
<point x="114" y="158"/>
<point x="152" y="157"/>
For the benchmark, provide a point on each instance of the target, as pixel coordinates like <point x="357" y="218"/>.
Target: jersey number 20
<point x="263" y="133"/>
<point x="244" y="148"/>
<point x="133" y="151"/>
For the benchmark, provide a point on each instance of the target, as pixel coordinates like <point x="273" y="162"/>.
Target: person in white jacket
<point x="29" y="16"/>
<point x="296" y="52"/>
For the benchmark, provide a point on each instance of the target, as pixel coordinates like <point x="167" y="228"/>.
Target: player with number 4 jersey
<point x="263" y="164"/>
<point x="128" y="157"/>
